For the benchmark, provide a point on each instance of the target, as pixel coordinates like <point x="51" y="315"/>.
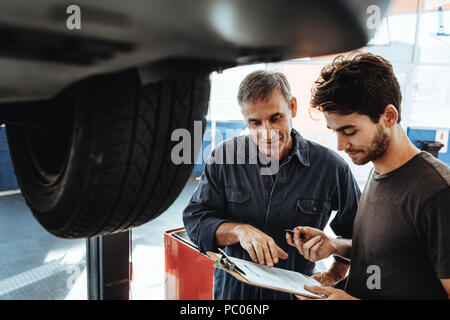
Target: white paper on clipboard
<point x="276" y="277"/>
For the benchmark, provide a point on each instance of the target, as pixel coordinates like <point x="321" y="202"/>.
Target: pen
<point x="291" y="232"/>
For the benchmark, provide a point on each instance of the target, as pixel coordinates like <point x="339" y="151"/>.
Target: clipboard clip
<point x="226" y="264"/>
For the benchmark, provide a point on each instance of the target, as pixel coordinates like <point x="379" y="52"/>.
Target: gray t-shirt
<point x="401" y="234"/>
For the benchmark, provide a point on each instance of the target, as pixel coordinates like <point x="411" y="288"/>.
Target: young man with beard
<point x="401" y="237"/>
<point x="244" y="208"/>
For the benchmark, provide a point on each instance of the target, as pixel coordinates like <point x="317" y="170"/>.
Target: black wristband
<point x="344" y="261"/>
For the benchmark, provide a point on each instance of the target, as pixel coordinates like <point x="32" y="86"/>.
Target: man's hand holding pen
<point x="314" y="246"/>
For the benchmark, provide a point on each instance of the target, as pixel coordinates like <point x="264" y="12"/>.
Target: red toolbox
<point x="188" y="273"/>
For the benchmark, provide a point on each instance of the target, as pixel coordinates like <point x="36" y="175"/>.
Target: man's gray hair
<point x="260" y="84"/>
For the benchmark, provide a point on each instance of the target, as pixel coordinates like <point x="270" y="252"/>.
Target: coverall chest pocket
<point x="313" y="212"/>
<point x="238" y="201"/>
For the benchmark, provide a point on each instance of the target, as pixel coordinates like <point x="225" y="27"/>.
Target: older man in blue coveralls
<point x="245" y="202"/>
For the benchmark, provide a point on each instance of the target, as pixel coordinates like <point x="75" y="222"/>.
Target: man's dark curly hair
<point x="361" y="82"/>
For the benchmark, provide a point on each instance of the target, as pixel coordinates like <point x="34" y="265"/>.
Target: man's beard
<point x="376" y="148"/>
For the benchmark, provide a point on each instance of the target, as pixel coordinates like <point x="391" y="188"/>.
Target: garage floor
<point x="37" y="265"/>
<point x="33" y="263"/>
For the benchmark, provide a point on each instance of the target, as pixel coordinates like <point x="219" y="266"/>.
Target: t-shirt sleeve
<point x="434" y="229"/>
<point x="345" y="201"/>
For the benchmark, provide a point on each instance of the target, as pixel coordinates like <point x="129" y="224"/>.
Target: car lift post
<point x="108" y="266"/>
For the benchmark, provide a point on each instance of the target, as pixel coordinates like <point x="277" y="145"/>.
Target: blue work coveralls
<point x="310" y="183"/>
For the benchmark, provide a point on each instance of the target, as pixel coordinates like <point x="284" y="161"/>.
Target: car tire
<point x="104" y="164"/>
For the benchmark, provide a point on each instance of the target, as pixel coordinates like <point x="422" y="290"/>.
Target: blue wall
<point x="416" y="134"/>
<point x="7" y="177"/>
<point x="224" y="130"/>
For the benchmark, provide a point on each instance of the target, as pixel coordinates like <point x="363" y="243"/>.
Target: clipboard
<point x="222" y="261"/>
